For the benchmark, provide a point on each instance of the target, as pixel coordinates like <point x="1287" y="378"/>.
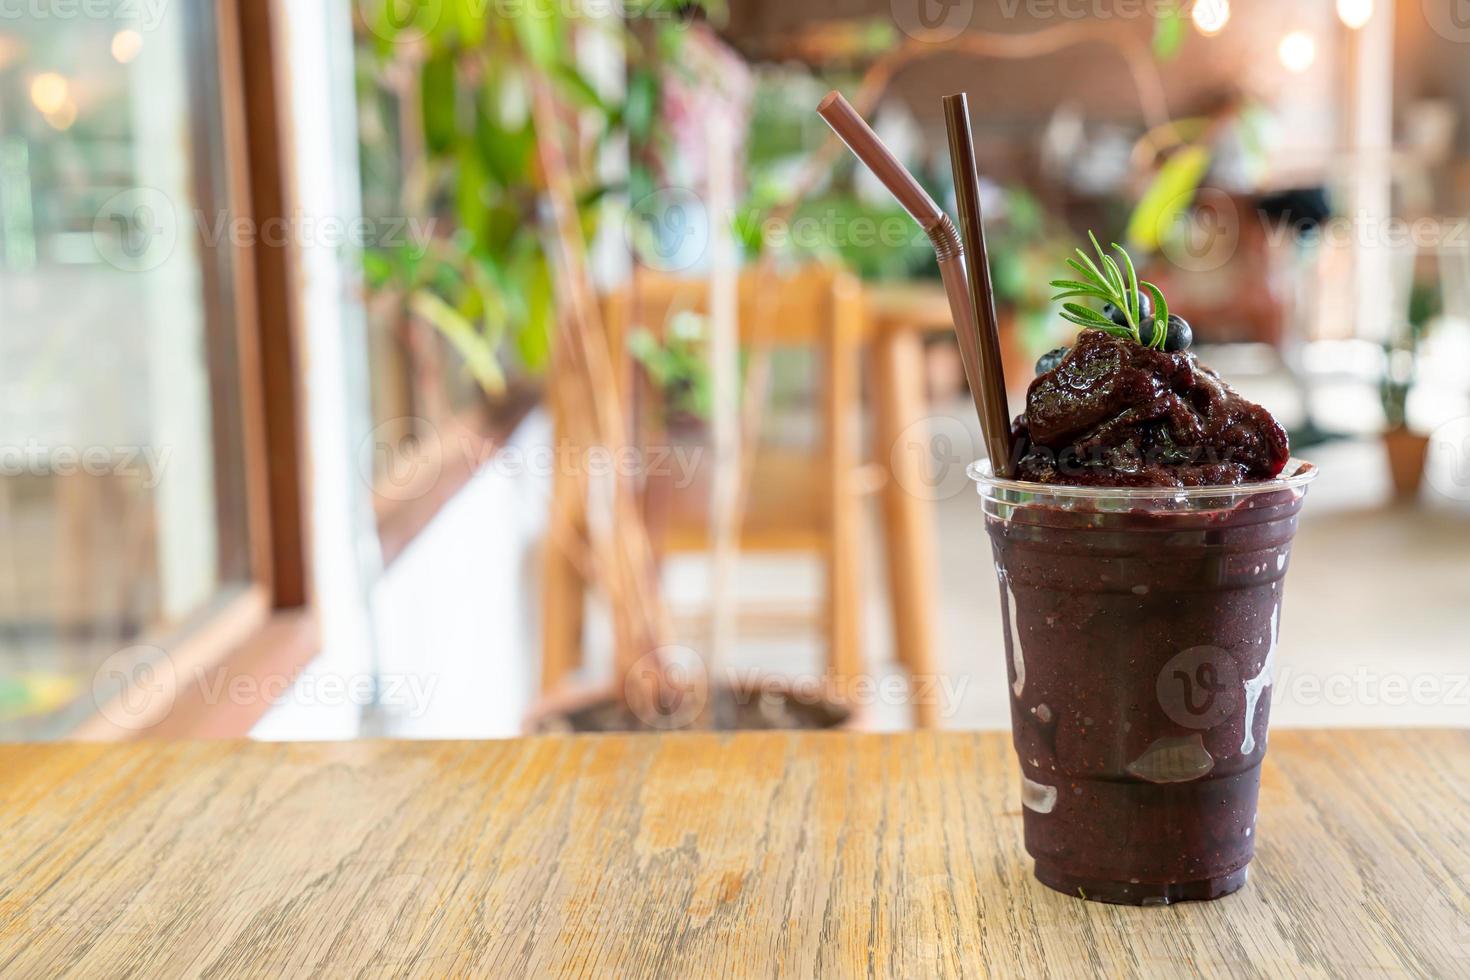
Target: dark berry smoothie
<point x="1141" y="551"/>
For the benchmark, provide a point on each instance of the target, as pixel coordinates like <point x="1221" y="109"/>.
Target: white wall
<point x="456" y="612"/>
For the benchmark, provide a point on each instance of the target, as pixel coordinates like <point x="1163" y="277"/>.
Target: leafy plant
<point x="1168" y="30"/>
<point x="1401" y="354"/>
<point x="448" y="136"/>
<point x="677" y="364"/>
<point x="1105" y="281"/>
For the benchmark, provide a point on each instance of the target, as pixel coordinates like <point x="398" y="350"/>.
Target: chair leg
<point x="840" y="416"/>
<point x="908" y="518"/>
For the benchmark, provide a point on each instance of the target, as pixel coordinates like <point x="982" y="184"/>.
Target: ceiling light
<point x="1297" y="51"/>
<point x="49" y="92"/>
<point x="126" y="44"/>
<point x="1210" y="16"/>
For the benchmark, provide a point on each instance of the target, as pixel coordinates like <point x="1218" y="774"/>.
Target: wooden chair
<point x="801" y="500"/>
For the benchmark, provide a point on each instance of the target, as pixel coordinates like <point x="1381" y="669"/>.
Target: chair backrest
<point x="785" y="308"/>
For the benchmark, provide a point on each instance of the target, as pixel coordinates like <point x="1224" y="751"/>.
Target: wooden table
<point x="691" y="856"/>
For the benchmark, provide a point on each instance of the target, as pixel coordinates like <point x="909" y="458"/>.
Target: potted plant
<point x="1406" y="449"/>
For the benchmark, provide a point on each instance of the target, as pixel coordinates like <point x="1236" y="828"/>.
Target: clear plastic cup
<point x="1140" y="631"/>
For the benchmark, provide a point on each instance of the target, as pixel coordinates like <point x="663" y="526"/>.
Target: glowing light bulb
<point x="125" y="45"/>
<point x="1355" y="13"/>
<point x="49" y="92"/>
<point x="63" y="117"/>
<point x="1297" y="51"/>
<point x="1210" y="16"/>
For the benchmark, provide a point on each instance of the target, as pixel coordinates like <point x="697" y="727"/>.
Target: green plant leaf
<point x="388" y="20"/>
<point x="470" y="205"/>
<point x="538" y="31"/>
<point x="1069" y="284"/>
<point x="533" y="336"/>
<point x="479" y="356"/>
<point x="378" y="268"/>
<point x="437" y="96"/>
<point x="469" y="20"/>
<point x="575" y="84"/>
<point x="1167" y="197"/>
<point x="1161" y="315"/>
<point x="505" y="150"/>
<point x="1085" y="313"/>
<point x="1089" y="271"/>
<point x="1168" y="30"/>
<point x="1135" y="309"/>
<point x="640" y="105"/>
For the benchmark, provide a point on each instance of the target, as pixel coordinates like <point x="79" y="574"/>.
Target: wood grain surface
<point x="833" y="855"/>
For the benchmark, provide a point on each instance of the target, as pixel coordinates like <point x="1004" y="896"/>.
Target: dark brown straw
<point x="994" y="415"/>
<point x="948" y="251"/>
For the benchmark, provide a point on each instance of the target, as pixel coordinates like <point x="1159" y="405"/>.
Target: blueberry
<point x="1051" y="359"/>
<point x="1145" y="310"/>
<point x="1180" y="336"/>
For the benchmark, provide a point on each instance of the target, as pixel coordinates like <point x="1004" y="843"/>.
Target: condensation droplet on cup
<point x="1013" y="635"/>
<point x="1038" y="796"/>
<point x="1254" y="686"/>
<point x="1173" y="759"/>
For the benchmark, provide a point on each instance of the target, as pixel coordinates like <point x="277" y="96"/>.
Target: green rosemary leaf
<point x="1086" y="312"/>
<point x="1134" y="305"/>
<point x="1089" y="269"/>
<point x="1087" y="280"/>
<point x="1107" y="280"/>
<point x="1161" y="315"/>
<point x="1079" y="321"/>
<point x="1095" y="246"/>
<point x="1109" y="267"/>
<point x="1069" y="284"/>
<point x="1115" y="276"/>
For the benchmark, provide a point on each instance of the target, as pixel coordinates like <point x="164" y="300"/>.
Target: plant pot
<point x="1406" y="452"/>
<point x="769" y="704"/>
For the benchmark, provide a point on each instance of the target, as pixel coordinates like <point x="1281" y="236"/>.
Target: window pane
<point x="121" y="490"/>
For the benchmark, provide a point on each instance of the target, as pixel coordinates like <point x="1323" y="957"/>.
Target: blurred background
<point x="457" y="368"/>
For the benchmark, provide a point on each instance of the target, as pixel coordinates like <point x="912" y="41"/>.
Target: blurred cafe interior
<point x="458" y="369"/>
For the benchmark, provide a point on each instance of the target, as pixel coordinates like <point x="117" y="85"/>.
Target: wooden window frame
<point x="259" y="636"/>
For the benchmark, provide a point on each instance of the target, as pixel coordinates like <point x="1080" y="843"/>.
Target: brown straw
<point x="948" y="251"/>
<point x="994" y="414"/>
<point x="868" y="148"/>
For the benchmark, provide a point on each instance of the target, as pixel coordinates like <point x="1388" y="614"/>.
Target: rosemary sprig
<point x="1108" y="281"/>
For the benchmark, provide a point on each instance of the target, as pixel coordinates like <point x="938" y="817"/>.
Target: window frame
<point x="256" y="637"/>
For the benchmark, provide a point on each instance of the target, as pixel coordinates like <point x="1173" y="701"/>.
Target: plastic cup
<point x="1140" y="631"/>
